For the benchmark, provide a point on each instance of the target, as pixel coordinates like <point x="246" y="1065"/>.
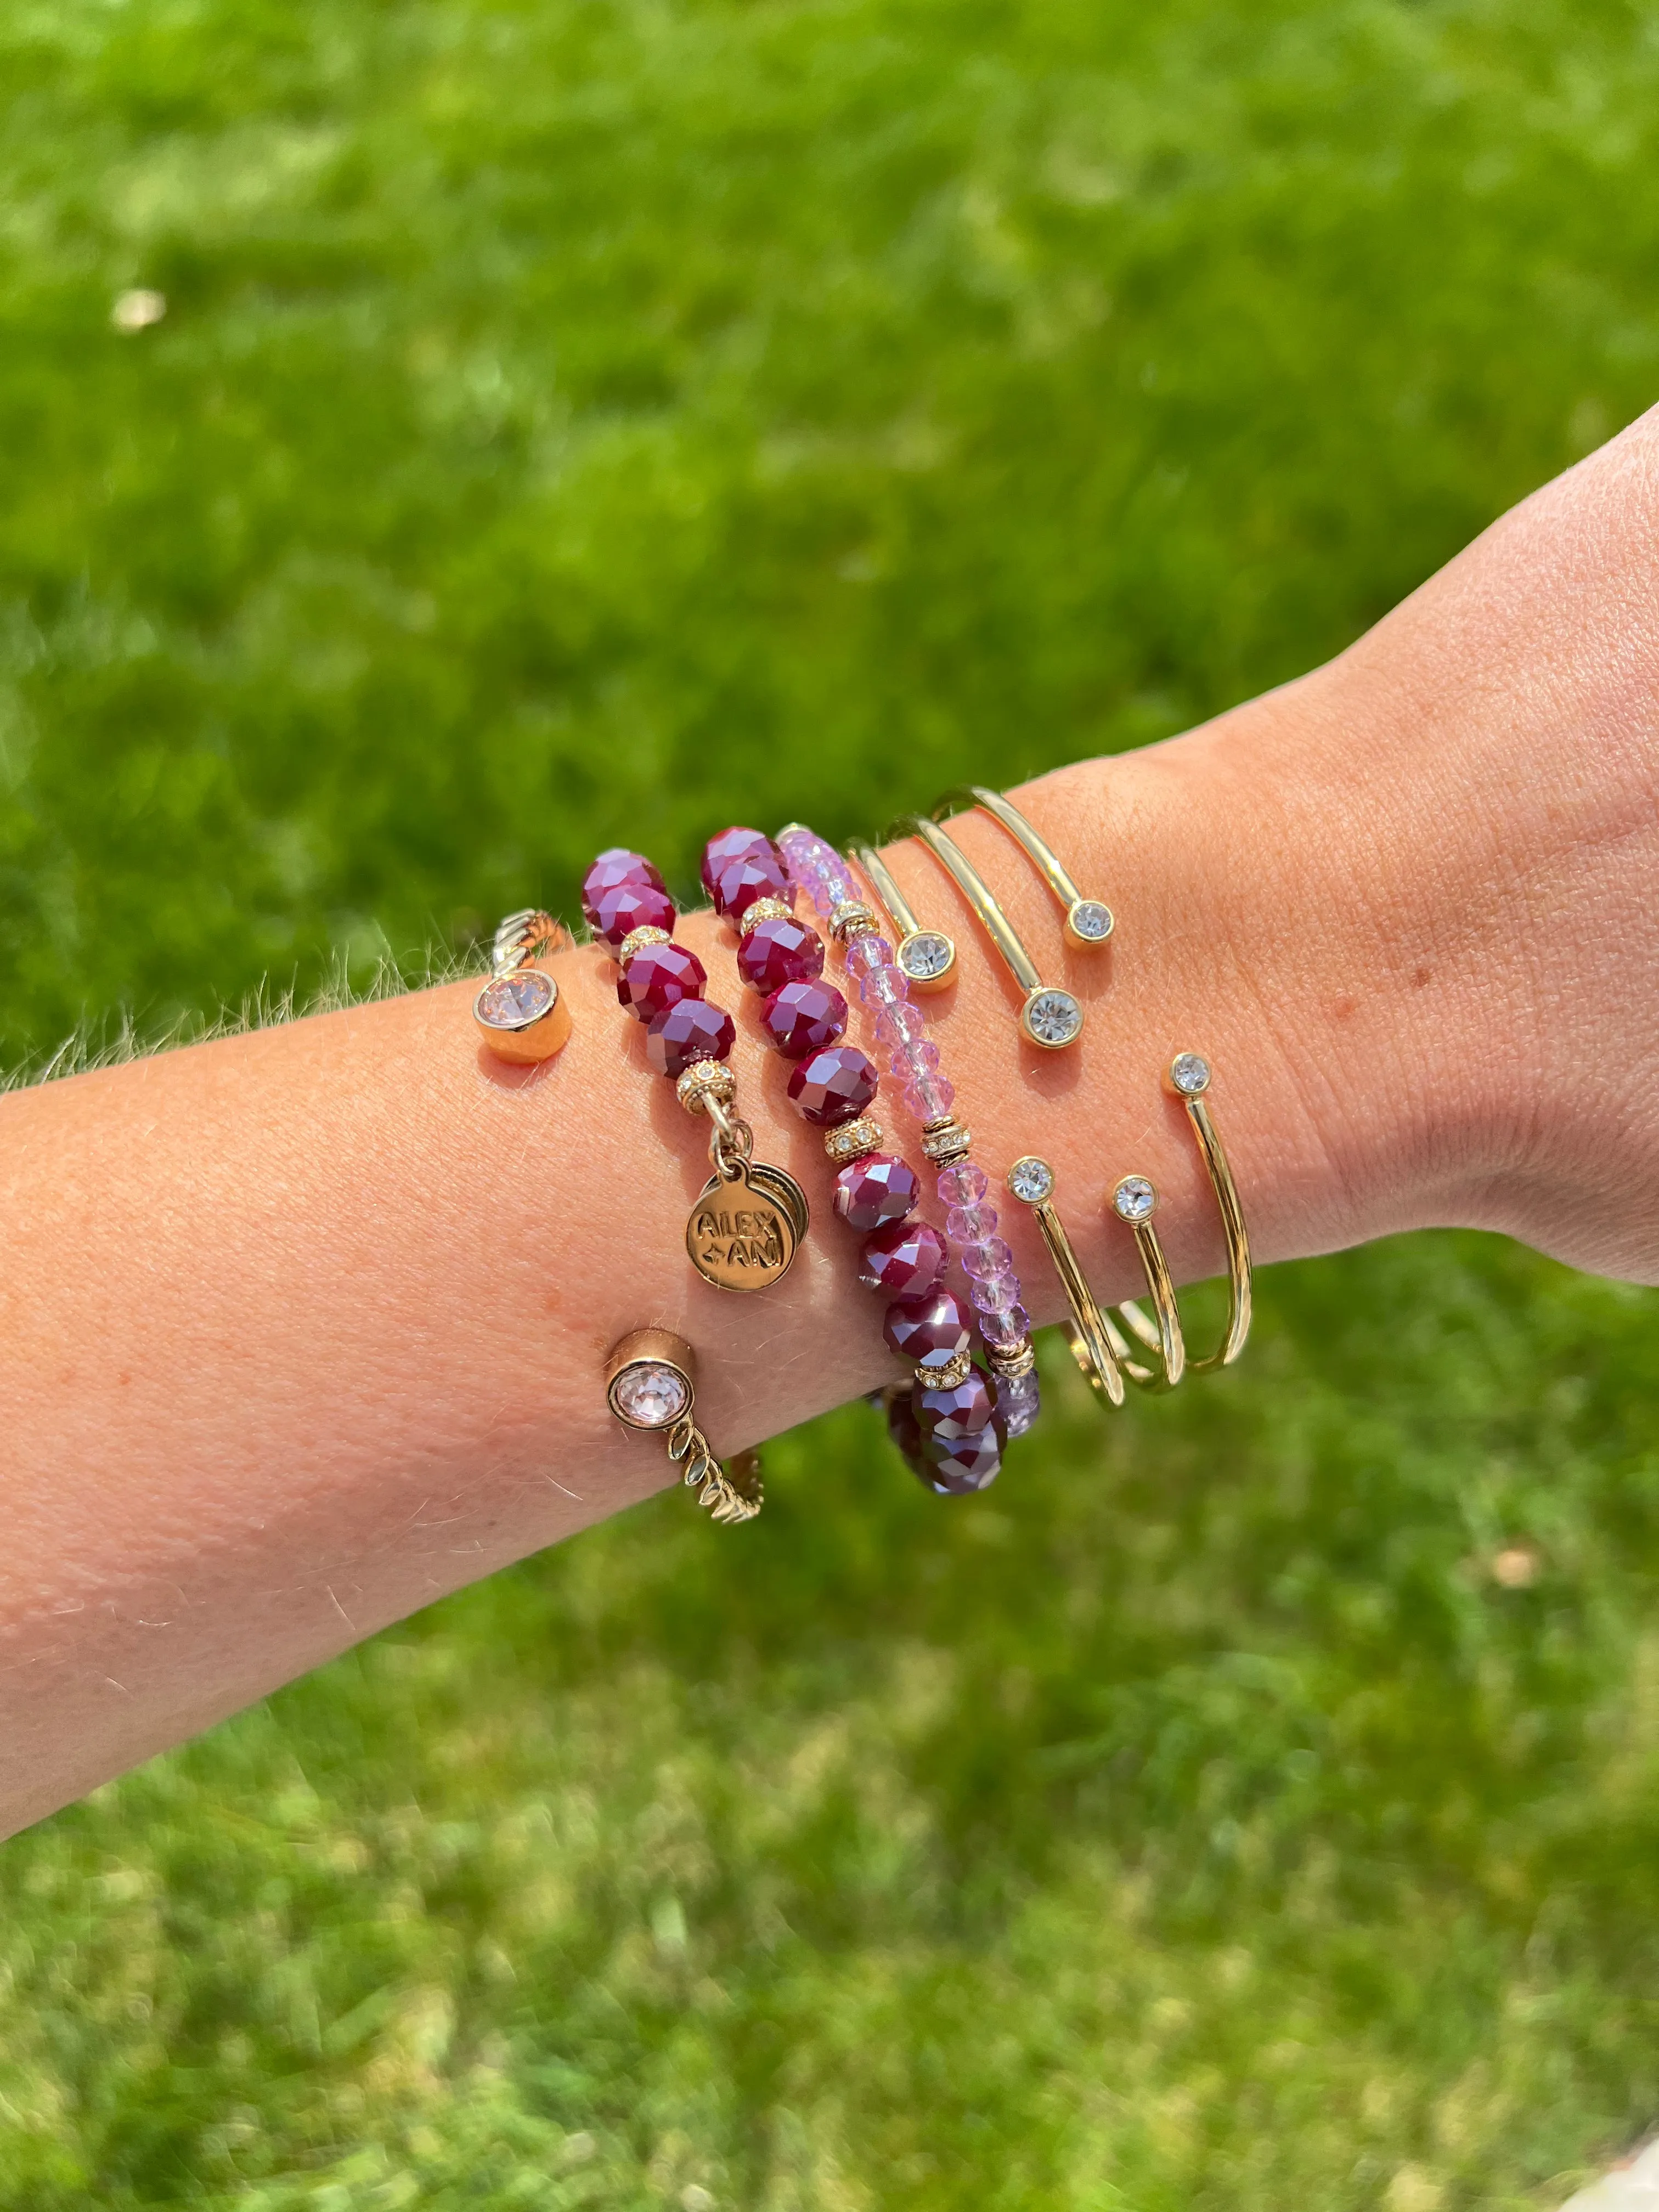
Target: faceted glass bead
<point x="970" y="1463"/>
<point x="777" y="952"/>
<point x="930" y="1098"/>
<point x="615" y="865"/>
<point x="658" y="977"/>
<point x="904" y="1259"/>
<point x="995" y="1293"/>
<point x="866" y="953"/>
<point x="970" y="1224"/>
<point x="834" y="1085"/>
<point x="960" y="1409"/>
<point x="804" y="1017"/>
<point x="1020" y="1401"/>
<point x="876" y="1190"/>
<point x="962" y="1185"/>
<point x="690" y="1030"/>
<point x="921" y="1059"/>
<point x="883" y="985"/>
<point x="929" y="1331"/>
<point x="741" y="882"/>
<point x="988" y="1258"/>
<point x="731" y="845"/>
<point x="905" y="1429"/>
<point x="1006" y="1326"/>
<point x="620" y="908"/>
<point x="900" y="1024"/>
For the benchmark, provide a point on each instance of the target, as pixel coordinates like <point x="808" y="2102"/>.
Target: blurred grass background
<point x="576" y="420"/>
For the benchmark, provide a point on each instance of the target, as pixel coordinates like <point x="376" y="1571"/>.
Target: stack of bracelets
<point x="951" y="1418"/>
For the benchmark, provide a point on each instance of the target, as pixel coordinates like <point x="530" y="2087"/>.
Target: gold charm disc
<point x="743" y="1232"/>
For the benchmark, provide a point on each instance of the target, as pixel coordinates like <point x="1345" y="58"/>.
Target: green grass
<point x="575" y="421"/>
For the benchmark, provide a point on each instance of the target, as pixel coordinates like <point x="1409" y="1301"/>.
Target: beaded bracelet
<point x="748" y="1221"/>
<point x="970" y="1225"/>
<point x="877" y="1193"/>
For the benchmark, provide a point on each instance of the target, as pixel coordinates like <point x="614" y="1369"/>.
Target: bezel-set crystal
<point x="1052" y="1018"/>
<point x="522" y="1016"/>
<point x="1189" y="1075"/>
<point x="1031" y="1180"/>
<point x="1136" y="1200"/>
<point x="926" y="958"/>
<point x="651" y="1380"/>
<point x="1088" y="922"/>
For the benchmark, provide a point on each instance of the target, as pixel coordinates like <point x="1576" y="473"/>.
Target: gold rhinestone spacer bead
<point x="705" y="1079"/>
<point x="946" y="1377"/>
<point x="1011" y="1358"/>
<point x="945" y="1140"/>
<point x="852" y="1140"/>
<point x="637" y="940"/>
<point x="765" y="909"/>
<point x="852" y="917"/>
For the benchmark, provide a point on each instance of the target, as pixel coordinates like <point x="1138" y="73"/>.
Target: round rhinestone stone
<point x="904" y="1259"/>
<point x="777" y="952"/>
<point x="926" y="955"/>
<point x="1134" y="1199"/>
<point x="690" y="1030"/>
<point x="834" y="1085"/>
<point x="658" y="977"/>
<point x="620" y="908"/>
<point x="512" y="1002"/>
<point x="930" y="1331"/>
<point x="615" y="865"/>
<point x="1053" y="1018"/>
<point x="650" y="1395"/>
<point x="1031" y="1179"/>
<point x="1189" y="1071"/>
<point x="804" y="1017"/>
<point x="1092" y="921"/>
<point x="876" y="1190"/>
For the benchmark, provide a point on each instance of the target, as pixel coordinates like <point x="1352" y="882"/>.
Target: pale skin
<point x="301" y="1329"/>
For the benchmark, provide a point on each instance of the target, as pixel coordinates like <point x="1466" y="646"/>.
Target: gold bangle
<point x="1050" y="1017"/>
<point x="1031" y="1181"/>
<point x="1188" y="1078"/>
<point x="651" y="1385"/>
<point x="1135" y="1202"/>
<point x="1087" y="921"/>
<point x="926" y="958"/>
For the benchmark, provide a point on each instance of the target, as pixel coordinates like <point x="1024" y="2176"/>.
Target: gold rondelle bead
<point x="636" y="940"/>
<point x="852" y="917"/>
<point x="944" y="1140"/>
<point x="946" y="1377"/>
<point x="852" y="1140"/>
<point x="1011" y="1358"/>
<point x="703" y="1081"/>
<point x="765" y="909"/>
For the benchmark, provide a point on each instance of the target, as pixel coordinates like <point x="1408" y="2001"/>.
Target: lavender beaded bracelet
<point x="993" y="1287"/>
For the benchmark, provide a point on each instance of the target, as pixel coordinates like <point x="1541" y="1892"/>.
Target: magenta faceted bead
<point x="930" y="1331"/>
<point x="834" y="1085"/>
<point x="689" y="1032"/>
<point x="971" y="1463"/>
<point x="962" y="1185"/>
<point x="620" y="908"/>
<point x="804" y="1017"/>
<point x="876" y="1190"/>
<point x="731" y="845"/>
<point x="615" y="865"/>
<point x="904" y="1259"/>
<point x="658" y="977"/>
<point x="962" y="1409"/>
<point x="777" y="952"/>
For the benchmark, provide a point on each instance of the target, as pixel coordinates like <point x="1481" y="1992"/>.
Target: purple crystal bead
<point x="876" y="1190"/>
<point x="985" y="1262"/>
<point x="1020" y="1401"/>
<point x="615" y="865"/>
<point x="962" y="1185"/>
<point x="970" y="1224"/>
<point x="882" y="987"/>
<point x="815" y="863"/>
<point x="930" y="1331"/>
<point x="866" y="954"/>
<point x="930" y="1098"/>
<point x="899" y="1025"/>
<point x="904" y="1259"/>
<point x="969" y="1464"/>
<point x="1009" y="1326"/>
<point x="948" y="1413"/>
<point x="994" y="1293"/>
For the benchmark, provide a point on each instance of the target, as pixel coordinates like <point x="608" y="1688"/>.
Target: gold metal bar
<point x="1087" y="922"/>
<point x="1032" y="1181"/>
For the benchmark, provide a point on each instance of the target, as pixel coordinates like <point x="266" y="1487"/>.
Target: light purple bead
<point x="930" y="1098"/>
<point x="817" y="867"/>
<point x="866" y="953"/>
<point x="898" y="1025"/>
<point x="962" y="1185"/>
<point x="916" y="1061"/>
<point x="1009" y="1326"/>
<point x="1020" y="1401"/>
<point x="994" y="1293"/>
<point x="990" y="1258"/>
<point x="970" y="1224"/>
<point x="884" y="986"/>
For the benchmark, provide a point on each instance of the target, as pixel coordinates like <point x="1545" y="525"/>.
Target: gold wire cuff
<point x="926" y="958"/>
<point x="1031" y="1181"/>
<point x="1188" y="1078"/>
<point x="1135" y="1201"/>
<point x="1050" y="1017"/>
<point x="1087" y="921"/>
